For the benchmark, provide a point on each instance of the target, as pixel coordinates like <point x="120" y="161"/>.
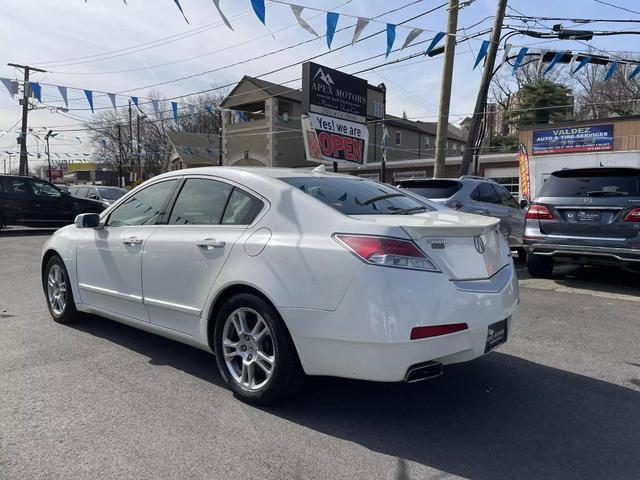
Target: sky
<point x="110" y="46"/>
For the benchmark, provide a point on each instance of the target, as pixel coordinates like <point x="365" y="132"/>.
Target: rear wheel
<point x="253" y="350"/>
<point x="57" y="290"/>
<point x="539" y="266"/>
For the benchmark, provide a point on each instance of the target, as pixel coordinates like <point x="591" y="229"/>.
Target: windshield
<point x="592" y="183"/>
<point x="355" y="196"/>
<point x="432" y="188"/>
<point x="111" y="193"/>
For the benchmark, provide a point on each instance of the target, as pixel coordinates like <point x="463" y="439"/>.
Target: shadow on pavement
<point x="499" y="417"/>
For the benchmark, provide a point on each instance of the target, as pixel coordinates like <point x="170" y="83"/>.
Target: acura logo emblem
<point x="587" y="200"/>
<point x="479" y="243"/>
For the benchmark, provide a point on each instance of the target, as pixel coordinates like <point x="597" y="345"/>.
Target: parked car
<point x="477" y="195"/>
<point x="285" y="272"/>
<point x="588" y="216"/>
<point x="33" y="202"/>
<point x="106" y="195"/>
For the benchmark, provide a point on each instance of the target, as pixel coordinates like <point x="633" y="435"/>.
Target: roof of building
<point x="429" y="128"/>
<point x="195" y="148"/>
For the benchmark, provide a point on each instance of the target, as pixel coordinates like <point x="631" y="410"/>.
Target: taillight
<point x="436" y="330"/>
<point x="454" y="204"/>
<point x="633" y="215"/>
<point x="539" y="212"/>
<point x="390" y="252"/>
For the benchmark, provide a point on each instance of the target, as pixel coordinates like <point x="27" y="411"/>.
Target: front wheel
<point x="254" y="352"/>
<point x="539" y="266"/>
<point x="57" y="290"/>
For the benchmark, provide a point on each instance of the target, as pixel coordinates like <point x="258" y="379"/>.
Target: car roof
<point x="272" y="172"/>
<point x="568" y="172"/>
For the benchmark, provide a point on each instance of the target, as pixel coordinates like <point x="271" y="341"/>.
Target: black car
<point x="33" y="202"/>
<point x="587" y="216"/>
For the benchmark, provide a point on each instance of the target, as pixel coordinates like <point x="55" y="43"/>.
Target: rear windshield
<point x="592" y="183"/>
<point x="433" y="188"/>
<point x="353" y="196"/>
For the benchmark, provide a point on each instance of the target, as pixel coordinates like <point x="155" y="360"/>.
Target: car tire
<point x="254" y="351"/>
<point x="57" y="291"/>
<point x="539" y="266"/>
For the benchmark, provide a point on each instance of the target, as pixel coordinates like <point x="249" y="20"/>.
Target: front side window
<point x="44" y="189"/>
<point x="200" y="202"/>
<point x="357" y="196"/>
<point x="144" y="207"/>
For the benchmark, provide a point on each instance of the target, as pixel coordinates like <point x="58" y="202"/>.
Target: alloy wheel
<point x="57" y="289"/>
<point x="248" y="348"/>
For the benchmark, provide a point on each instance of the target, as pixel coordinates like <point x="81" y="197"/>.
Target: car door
<point x="183" y="258"/>
<point x="49" y="205"/>
<point x="18" y="200"/>
<point x="109" y="259"/>
<point x="512" y="215"/>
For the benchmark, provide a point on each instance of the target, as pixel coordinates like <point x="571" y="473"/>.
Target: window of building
<point x="378" y="109"/>
<point x="398" y="138"/>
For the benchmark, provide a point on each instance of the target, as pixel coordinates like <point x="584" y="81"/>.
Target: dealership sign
<point x="592" y="138"/>
<point x="334" y="128"/>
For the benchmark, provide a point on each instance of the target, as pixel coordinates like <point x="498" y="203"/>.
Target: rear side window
<point x="505" y="197"/>
<point x="485" y="193"/>
<point x="242" y="208"/>
<point x="200" y="202"/>
<point x="354" y="196"/>
<point x="592" y="183"/>
<point x="433" y="188"/>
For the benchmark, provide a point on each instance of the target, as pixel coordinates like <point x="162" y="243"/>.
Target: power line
<point x="617" y="6"/>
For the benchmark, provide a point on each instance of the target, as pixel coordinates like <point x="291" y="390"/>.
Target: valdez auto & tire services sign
<point x="592" y="138"/>
<point x="334" y="127"/>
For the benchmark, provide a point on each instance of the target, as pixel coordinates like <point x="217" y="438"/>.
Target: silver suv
<point x="478" y="195"/>
<point x="585" y="216"/>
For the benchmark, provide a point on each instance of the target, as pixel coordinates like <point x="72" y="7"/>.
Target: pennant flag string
<point x="541" y="60"/>
<point x="135" y="101"/>
<point x="10" y="85"/>
<point x="332" y="23"/>
<point x="391" y="37"/>
<point x="258" y="8"/>
<point x="413" y="34"/>
<point x="439" y="36"/>
<point x="112" y="97"/>
<point x="174" y="107"/>
<point x="556" y="59"/>
<point x="156" y="107"/>
<point x="89" y="95"/>
<point x="611" y="70"/>
<point x="635" y="72"/>
<point x="297" y="12"/>
<point x="586" y="59"/>
<point x="181" y="11"/>
<point x="505" y="55"/>
<point x="360" y="25"/>
<point x="63" y="94"/>
<point x="224" y="18"/>
<point x="484" y="48"/>
<point x="523" y="51"/>
<point x="36" y="89"/>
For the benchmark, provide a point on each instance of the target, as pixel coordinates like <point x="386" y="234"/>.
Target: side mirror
<point x="524" y="203"/>
<point x="87" y="220"/>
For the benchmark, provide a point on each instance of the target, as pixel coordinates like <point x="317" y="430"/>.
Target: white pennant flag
<point x="507" y="49"/>
<point x="224" y="19"/>
<point x="10" y="85"/>
<point x="63" y="94"/>
<point x="413" y="34"/>
<point x="156" y="107"/>
<point x="362" y="22"/>
<point x="541" y="59"/>
<point x="192" y="109"/>
<point x="297" y="12"/>
<point x="112" y="97"/>
<point x="572" y="63"/>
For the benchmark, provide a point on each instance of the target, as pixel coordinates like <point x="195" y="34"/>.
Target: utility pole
<point x="24" y="163"/>
<point x="130" y="141"/>
<point x="139" y="148"/>
<point x="120" y="177"/>
<point x="445" y="91"/>
<point x="481" y="101"/>
<point x="385" y="135"/>
<point x="220" y="137"/>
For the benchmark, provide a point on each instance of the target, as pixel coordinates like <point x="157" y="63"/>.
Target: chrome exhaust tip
<point x="423" y="371"/>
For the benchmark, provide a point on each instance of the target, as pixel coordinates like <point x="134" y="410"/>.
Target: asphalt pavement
<point x="100" y="400"/>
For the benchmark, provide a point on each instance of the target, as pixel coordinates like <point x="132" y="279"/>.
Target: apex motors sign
<point x="334" y="128"/>
<point x="593" y="138"/>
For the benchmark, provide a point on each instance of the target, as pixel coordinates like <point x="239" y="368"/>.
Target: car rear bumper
<point x="585" y="254"/>
<point x="368" y="336"/>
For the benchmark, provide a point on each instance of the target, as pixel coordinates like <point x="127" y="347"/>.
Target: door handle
<point x="132" y="241"/>
<point x="209" y="243"/>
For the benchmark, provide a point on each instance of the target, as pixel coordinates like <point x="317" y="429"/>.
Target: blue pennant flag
<point x="439" y="36"/>
<point x="611" y="71"/>
<point x="135" y="101"/>
<point x="181" y="11"/>
<point x="391" y="37"/>
<point x="36" y="89"/>
<point x="516" y="64"/>
<point x="484" y="48"/>
<point x="332" y="23"/>
<point x="209" y="109"/>
<point x="586" y="59"/>
<point x="258" y="7"/>
<point x="89" y="95"/>
<point x="635" y="72"/>
<point x="556" y="59"/>
<point x="174" y="107"/>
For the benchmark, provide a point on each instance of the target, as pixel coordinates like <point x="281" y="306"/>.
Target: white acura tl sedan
<point x="285" y="272"/>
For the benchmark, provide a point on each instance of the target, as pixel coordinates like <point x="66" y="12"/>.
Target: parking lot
<point x="98" y="399"/>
